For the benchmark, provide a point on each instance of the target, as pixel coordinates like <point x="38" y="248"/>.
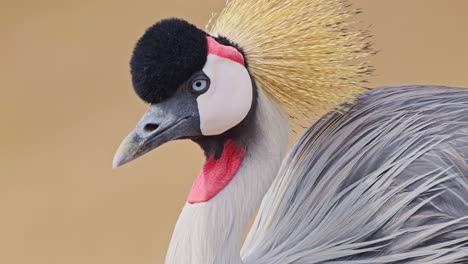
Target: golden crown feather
<point x="302" y="52"/>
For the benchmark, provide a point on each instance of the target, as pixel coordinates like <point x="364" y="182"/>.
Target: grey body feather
<point x="385" y="180"/>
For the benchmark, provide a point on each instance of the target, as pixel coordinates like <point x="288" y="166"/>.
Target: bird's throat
<point x="217" y="173"/>
<point x="240" y="167"/>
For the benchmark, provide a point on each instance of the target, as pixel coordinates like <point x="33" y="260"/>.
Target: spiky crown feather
<point x="303" y="52"/>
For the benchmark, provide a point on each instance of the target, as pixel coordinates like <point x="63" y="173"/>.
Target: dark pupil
<point x="198" y="84"/>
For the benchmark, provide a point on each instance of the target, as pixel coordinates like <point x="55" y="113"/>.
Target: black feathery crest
<point x="167" y="54"/>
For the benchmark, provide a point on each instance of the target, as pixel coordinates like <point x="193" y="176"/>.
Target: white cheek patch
<point x="229" y="98"/>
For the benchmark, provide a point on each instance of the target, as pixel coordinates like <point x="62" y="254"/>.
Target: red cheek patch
<point x="227" y="52"/>
<point x="216" y="174"/>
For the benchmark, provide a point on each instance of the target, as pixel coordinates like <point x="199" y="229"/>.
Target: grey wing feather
<point x="384" y="180"/>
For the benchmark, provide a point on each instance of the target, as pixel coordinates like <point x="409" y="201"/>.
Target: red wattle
<point x="223" y="51"/>
<point x="216" y="173"/>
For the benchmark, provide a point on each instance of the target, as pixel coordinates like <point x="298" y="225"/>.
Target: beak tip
<point x="115" y="165"/>
<point x="125" y="152"/>
<point x="119" y="160"/>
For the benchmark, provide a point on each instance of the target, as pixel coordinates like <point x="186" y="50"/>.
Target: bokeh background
<point x="66" y="103"/>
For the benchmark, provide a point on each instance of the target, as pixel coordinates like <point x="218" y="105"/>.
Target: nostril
<point x="150" y="127"/>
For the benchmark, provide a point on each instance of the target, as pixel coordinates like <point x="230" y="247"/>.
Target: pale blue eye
<point x="199" y="85"/>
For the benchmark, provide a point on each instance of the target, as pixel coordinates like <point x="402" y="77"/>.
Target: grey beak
<point x="160" y="124"/>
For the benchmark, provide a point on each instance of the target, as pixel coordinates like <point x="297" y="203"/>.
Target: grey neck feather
<point x="211" y="232"/>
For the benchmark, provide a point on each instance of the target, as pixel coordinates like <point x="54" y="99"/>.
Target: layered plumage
<point x="382" y="177"/>
<point x="385" y="181"/>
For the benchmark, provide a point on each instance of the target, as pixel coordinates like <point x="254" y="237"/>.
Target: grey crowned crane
<point x="381" y="176"/>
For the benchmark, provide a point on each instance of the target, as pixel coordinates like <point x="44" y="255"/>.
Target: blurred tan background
<point x="66" y="103"/>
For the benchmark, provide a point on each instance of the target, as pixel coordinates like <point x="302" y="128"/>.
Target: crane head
<point x="196" y="85"/>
